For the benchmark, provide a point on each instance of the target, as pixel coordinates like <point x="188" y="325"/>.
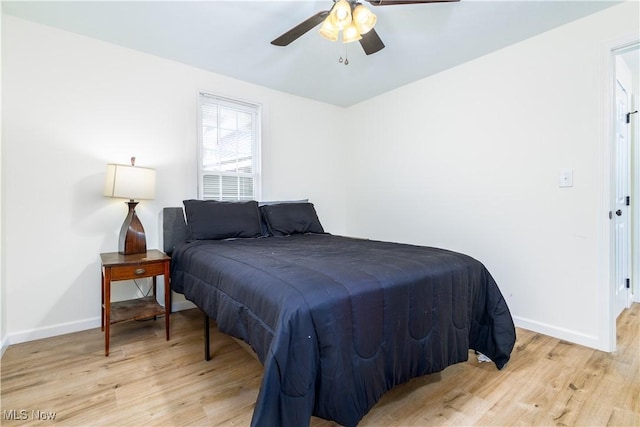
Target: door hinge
<point x="628" y="283"/>
<point x="628" y="201"/>
<point x="629" y="116"/>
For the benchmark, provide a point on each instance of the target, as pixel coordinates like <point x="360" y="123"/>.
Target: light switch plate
<point x="566" y="178"/>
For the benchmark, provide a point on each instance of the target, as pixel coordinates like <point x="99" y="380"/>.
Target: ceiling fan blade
<point x="300" y="29"/>
<point x="371" y="42"/>
<point x="396" y="2"/>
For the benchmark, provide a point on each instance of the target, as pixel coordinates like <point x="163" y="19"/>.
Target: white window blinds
<point x="229" y="136"/>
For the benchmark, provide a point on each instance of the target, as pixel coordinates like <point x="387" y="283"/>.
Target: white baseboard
<point x="53" y="330"/>
<point x="575" y="337"/>
<point x="67" y="328"/>
<point x="3" y="346"/>
<point x="182" y="305"/>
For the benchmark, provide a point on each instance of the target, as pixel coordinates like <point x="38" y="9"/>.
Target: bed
<point x="336" y="321"/>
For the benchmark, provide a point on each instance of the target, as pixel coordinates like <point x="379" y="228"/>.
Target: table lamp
<point x="134" y="183"/>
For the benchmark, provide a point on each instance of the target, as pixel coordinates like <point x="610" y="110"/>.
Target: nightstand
<point x="116" y="266"/>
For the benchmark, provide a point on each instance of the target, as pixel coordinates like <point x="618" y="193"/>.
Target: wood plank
<point x="135" y="309"/>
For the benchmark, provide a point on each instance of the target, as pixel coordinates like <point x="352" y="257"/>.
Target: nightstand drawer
<point x="127" y="272"/>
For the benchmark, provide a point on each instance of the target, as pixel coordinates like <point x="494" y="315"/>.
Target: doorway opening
<point x="624" y="199"/>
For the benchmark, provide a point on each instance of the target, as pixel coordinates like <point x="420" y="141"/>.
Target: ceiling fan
<point x="351" y="17"/>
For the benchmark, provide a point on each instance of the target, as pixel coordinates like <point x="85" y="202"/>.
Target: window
<point x="229" y="143"/>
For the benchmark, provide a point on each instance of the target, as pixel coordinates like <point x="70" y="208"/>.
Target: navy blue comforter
<point x="338" y="321"/>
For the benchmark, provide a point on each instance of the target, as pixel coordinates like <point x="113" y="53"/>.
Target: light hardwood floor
<point x="147" y="381"/>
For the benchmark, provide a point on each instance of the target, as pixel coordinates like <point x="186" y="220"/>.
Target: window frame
<point x="256" y="110"/>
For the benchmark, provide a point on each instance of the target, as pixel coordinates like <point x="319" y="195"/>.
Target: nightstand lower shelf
<point x="135" y="309"/>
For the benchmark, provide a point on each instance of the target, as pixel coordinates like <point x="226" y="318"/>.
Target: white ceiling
<point x="232" y="38"/>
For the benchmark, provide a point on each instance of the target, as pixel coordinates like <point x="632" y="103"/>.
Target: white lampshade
<point x="328" y="30"/>
<point x="364" y="19"/>
<point x="341" y="14"/>
<point x="130" y="182"/>
<point x="350" y="34"/>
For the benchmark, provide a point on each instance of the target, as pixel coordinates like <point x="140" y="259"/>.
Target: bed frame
<point x="175" y="232"/>
<point x="174" y="229"/>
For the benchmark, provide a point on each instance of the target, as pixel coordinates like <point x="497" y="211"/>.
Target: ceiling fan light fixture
<point x="328" y="30"/>
<point x="364" y="19"/>
<point x="341" y="14"/>
<point x="351" y="34"/>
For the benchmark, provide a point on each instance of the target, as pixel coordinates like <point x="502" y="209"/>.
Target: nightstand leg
<point x="155" y="293"/>
<point x="107" y="308"/>
<point x="167" y="299"/>
<point x="102" y="303"/>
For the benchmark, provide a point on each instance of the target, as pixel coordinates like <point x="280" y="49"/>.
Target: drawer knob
<point x="140" y="271"/>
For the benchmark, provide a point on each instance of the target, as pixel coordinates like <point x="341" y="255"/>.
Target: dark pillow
<point x="291" y="218"/>
<point x="213" y="220"/>
<point x="263" y="221"/>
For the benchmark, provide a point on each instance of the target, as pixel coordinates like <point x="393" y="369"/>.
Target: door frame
<point x="605" y="241"/>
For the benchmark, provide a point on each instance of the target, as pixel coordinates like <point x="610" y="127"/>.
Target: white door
<point x="621" y="213"/>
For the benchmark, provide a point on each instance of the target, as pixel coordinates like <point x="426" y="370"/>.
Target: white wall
<point x="72" y="104"/>
<point x="469" y="160"/>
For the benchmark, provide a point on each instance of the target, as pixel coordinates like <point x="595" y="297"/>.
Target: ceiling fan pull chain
<point x="344" y="60"/>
